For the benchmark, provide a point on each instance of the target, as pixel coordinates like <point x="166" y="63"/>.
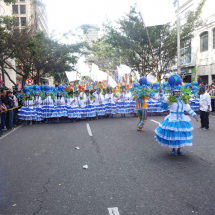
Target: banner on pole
<point x="156" y="12"/>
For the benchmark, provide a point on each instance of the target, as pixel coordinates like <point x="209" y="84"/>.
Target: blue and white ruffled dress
<point x="122" y="105"/>
<point x="131" y="103"/>
<point x="151" y="105"/>
<point x="98" y="104"/>
<point x="194" y="103"/>
<point x="88" y="109"/>
<point x="175" y="130"/>
<point x="110" y="106"/>
<point x="27" y="112"/>
<point x="47" y="108"/>
<point x="60" y="109"/>
<point x="73" y="109"/>
<point x="38" y="107"/>
<point x="157" y="104"/>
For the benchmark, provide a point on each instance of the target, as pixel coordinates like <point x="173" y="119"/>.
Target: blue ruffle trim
<point x="176" y="126"/>
<point x="173" y="144"/>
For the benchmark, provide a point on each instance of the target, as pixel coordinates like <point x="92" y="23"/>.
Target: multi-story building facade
<point x="26" y="12"/>
<point x="198" y="55"/>
<point x="6" y="11"/>
<point x="31" y="12"/>
<point x="92" y="34"/>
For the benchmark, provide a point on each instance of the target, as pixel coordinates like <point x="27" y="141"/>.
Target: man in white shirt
<point x="205" y="108"/>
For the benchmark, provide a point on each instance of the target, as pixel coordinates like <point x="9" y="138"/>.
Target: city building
<point x="30" y="12"/>
<point x="5" y="10"/>
<point x="198" y="55"/>
<point x="26" y="12"/>
<point x="91" y="34"/>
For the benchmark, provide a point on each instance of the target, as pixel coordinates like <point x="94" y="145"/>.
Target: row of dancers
<point x="44" y="102"/>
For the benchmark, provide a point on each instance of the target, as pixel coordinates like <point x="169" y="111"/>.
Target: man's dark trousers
<point x="204" y="119"/>
<point x="9" y="119"/>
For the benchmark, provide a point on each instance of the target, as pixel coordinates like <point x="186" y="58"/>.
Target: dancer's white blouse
<point x="177" y="110"/>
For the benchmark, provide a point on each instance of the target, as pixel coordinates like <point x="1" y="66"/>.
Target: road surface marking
<point x="89" y="130"/>
<point x="155" y="121"/>
<point x="113" y="211"/>
<point x="10" y="132"/>
<point x="212" y="116"/>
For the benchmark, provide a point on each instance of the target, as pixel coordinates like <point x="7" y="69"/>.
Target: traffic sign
<point x="29" y="82"/>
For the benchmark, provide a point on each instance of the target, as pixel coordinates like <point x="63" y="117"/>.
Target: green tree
<point x="35" y="54"/>
<point x="9" y="1"/>
<point x="128" y="39"/>
<point x="102" y="54"/>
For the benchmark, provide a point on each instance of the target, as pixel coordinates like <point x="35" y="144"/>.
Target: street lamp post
<point x="178" y="39"/>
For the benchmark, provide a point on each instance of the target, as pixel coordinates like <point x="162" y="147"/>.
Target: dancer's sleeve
<point x="163" y="98"/>
<point x="63" y="101"/>
<point x="189" y="110"/>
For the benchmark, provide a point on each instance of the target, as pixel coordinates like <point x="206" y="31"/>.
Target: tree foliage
<point x="9" y="1"/>
<point x="103" y="55"/>
<point x="34" y="52"/>
<point x="128" y="40"/>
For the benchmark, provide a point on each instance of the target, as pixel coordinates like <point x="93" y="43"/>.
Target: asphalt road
<point x="41" y="171"/>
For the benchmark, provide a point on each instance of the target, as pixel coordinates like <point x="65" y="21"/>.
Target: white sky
<point x="65" y="15"/>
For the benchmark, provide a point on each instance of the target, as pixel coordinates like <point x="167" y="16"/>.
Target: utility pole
<point x="178" y="39"/>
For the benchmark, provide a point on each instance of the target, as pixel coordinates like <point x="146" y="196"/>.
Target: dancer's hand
<point x="160" y="89"/>
<point x="197" y="119"/>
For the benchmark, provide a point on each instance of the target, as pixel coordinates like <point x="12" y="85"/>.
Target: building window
<point x="22" y="9"/>
<point x="16" y="21"/>
<point x="204" y="42"/>
<point x="23" y="21"/>
<point x="214" y="38"/>
<point x="22" y="0"/>
<point x="15" y="9"/>
<point x="185" y="52"/>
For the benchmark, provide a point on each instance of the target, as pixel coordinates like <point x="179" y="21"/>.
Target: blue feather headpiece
<point x="175" y="82"/>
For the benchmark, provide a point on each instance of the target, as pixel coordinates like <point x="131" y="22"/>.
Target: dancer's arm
<point x="190" y="111"/>
<point x="162" y="97"/>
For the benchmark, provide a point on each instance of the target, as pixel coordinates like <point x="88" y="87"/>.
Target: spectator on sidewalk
<point x="2" y="109"/>
<point x="205" y="108"/>
<point x="9" y="118"/>
<point x="212" y="93"/>
<point x="16" y="104"/>
<point x="4" y="115"/>
<point x="199" y="79"/>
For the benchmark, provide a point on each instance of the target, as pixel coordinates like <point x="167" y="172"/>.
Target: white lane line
<point x="212" y="116"/>
<point x="155" y="121"/>
<point x="113" y="211"/>
<point x="10" y="132"/>
<point x="89" y="130"/>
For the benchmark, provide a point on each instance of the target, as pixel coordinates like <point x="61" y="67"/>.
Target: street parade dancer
<point x="194" y="100"/>
<point x="99" y="103"/>
<point x="27" y="112"/>
<point x="77" y="105"/>
<point x="140" y="96"/>
<point x="38" y="103"/>
<point x="123" y="104"/>
<point x="88" y="109"/>
<point x="48" y="105"/>
<point x="175" y="130"/>
<point x="60" y="109"/>
<point x="110" y="105"/>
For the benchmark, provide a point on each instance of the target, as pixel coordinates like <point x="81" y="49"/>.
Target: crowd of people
<point x="96" y="100"/>
<point x="8" y="118"/>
